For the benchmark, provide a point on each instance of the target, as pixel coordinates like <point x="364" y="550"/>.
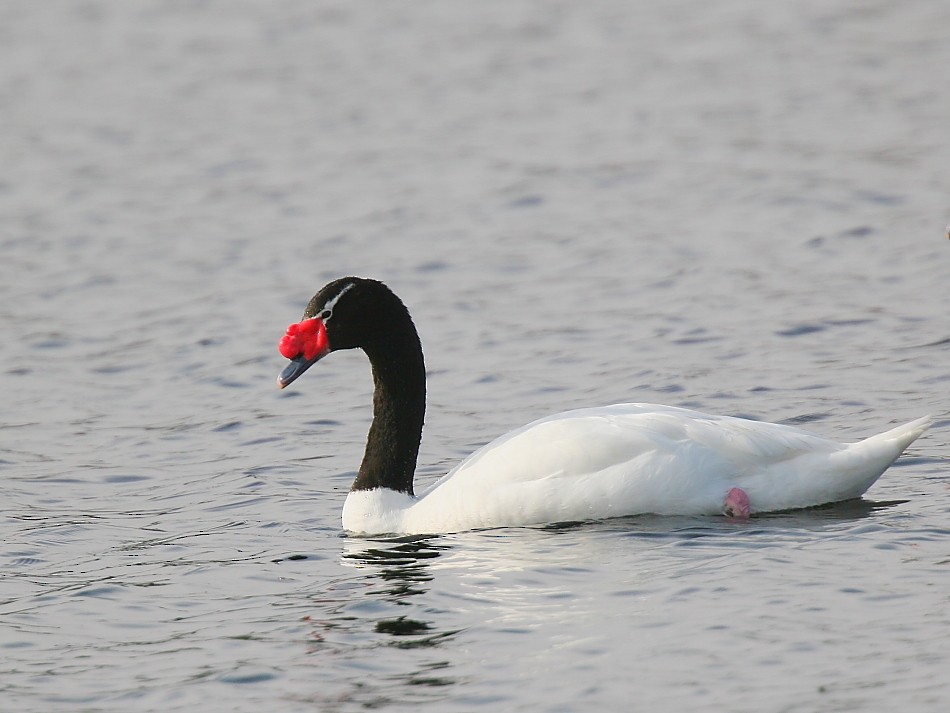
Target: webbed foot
<point x="736" y="504"/>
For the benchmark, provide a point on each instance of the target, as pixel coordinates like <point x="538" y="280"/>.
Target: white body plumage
<point x="631" y="459"/>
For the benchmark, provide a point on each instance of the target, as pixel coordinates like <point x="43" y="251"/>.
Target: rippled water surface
<point x="732" y="206"/>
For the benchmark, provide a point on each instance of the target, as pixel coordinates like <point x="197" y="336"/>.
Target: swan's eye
<point x="327" y="310"/>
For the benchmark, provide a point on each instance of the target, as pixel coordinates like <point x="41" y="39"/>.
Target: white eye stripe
<point x="327" y="310"/>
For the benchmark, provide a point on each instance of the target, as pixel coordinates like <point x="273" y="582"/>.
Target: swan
<point x="586" y="464"/>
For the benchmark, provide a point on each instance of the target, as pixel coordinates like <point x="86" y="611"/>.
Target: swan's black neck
<point x="399" y="404"/>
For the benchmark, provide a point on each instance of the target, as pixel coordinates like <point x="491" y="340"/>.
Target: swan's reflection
<point x="378" y="643"/>
<point x="402" y="565"/>
<point x="476" y="563"/>
<point x="530" y="594"/>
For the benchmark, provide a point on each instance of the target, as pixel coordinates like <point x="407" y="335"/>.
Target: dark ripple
<point x="801" y="330"/>
<point x="805" y="418"/>
<point x="248" y="677"/>
<point x="26" y="561"/>
<point x="107" y="592"/>
<point x="119" y="479"/>
<point x="939" y="343"/>
<point x="229" y="426"/>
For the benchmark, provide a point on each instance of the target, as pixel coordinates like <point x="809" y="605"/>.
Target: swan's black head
<point x="348" y="313"/>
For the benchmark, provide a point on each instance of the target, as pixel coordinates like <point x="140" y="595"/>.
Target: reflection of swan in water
<point x="542" y="600"/>
<point x="417" y="558"/>
<point x="358" y="621"/>
<point x="401" y="563"/>
<point x="403" y="567"/>
<point x="524" y="578"/>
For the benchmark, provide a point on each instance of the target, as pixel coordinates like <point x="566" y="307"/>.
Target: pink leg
<point x="736" y="504"/>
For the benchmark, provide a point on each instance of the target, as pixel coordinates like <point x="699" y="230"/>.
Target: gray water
<point x="734" y="206"/>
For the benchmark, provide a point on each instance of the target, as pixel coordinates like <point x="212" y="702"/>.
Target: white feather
<point x="631" y="459"/>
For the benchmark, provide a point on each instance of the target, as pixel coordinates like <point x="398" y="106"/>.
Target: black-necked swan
<point x="587" y="464"/>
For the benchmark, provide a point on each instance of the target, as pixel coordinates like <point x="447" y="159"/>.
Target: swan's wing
<point x="592" y="440"/>
<point x="641" y="458"/>
<point x="579" y="465"/>
<point x="754" y="445"/>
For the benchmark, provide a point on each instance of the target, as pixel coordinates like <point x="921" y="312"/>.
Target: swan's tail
<point x="897" y="439"/>
<point x="864" y="462"/>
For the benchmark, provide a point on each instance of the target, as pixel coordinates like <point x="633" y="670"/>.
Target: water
<point x="733" y="207"/>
